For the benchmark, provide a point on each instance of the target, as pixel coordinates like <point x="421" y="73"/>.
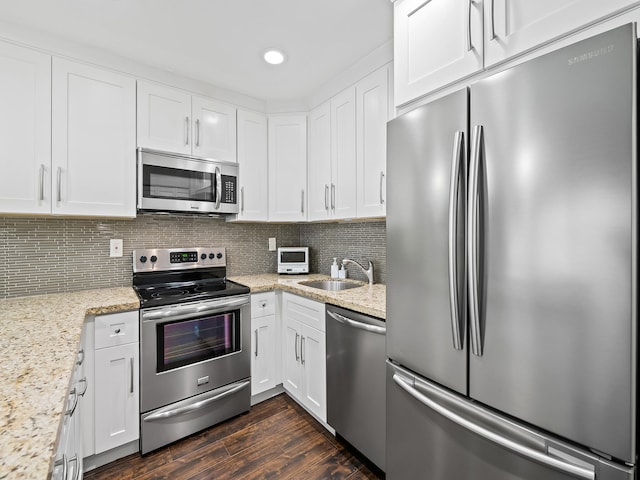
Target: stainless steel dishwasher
<point x="356" y="381"/>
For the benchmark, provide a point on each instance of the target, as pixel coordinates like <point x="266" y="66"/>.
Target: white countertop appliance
<point x="293" y="260"/>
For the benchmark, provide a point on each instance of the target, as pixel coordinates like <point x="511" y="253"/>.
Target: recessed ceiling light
<point x="274" y="56"/>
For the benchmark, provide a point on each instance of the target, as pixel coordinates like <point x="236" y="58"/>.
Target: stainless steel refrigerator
<point x="512" y="273"/>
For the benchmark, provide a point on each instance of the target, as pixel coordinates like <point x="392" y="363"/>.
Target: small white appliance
<point x="293" y="260"/>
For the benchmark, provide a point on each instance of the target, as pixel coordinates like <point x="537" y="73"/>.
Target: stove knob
<point x="219" y="255"/>
<point x="153" y="258"/>
<point x="203" y="256"/>
<point x="143" y="259"/>
<point x="212" y="256"/>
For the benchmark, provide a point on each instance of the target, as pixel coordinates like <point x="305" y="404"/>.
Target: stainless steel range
<point x="194" y="343"/>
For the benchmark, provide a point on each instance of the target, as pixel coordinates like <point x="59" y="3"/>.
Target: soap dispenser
<point x="343" y="272"/>
<point x="334" y="268"/>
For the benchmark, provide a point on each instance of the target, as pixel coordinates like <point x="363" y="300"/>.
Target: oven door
<point x="178" y="183"/>
<point x="191" y="348"/>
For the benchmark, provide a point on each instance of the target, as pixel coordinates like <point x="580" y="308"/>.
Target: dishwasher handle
<point x="356" y="324"/>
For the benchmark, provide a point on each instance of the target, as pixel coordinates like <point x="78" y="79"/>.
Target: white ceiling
<point x="221" y="41"/>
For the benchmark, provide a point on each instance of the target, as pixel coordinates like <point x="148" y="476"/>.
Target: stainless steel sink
<point x="331" y="285"/>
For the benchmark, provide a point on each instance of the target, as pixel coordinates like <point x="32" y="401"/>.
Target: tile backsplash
<point x="48" y="254"/>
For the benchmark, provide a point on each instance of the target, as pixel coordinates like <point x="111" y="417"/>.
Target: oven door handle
<point x="188" y="407"/>
<point x="183" y="311"/>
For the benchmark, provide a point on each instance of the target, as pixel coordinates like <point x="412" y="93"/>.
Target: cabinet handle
<point x="70" y="411"/>
<point x="83" y="380"/>
<point x="333" y="197"/>
<point x="65" y="465"/>
<point x="186" y="130"/>
<point x="381" y="184"/>
<point x="59" y="176"/>
<point x="242" y="199"/>
<point x="256" y="352"/>
<point x="81" y="354"/>
<point x="326" y="196"/>
<point x="302" y="349"/>
<point x="493" y="21"/>
<point x="296" y="347"/>
<point x="41" y="183"/>
<point x="198" y="132"/>
<point x="469" y="44"/>
<point x="131" y="365"/>
<point x="302" y="201"/>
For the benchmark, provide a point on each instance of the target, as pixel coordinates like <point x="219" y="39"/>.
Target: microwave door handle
<point x="218" y="187"/>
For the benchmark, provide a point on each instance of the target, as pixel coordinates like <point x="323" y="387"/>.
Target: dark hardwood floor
<point x="277" y="439"/>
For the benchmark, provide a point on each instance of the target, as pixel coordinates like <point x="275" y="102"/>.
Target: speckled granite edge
<point x="38" y="345"/>
<point x="367" y="299"/>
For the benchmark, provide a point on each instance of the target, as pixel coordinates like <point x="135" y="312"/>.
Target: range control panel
<point x="160" y="259"/>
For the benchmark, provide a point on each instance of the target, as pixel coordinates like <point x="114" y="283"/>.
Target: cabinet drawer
<point x="263" y="304"/>
<point x="308" y="312"/>
<point x="116" y="329"/>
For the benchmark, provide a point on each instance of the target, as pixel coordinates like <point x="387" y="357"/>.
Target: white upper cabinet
<point x="93" y="141"/>
<point x="515" y="26"/>
<point x="214" y="129"/>
<point x="372" y="100"/>
<point x="439" y="42"/>
<point x="172" y="120"/>
<point x="252" y="158"/>
<point x="287" y="168"/>
<point x="436" y="42"/>
<point x="25" y="130"/>
<point x="343" y="154"/>
<point x="164" y="118"/>
<point x="319" y="163"/>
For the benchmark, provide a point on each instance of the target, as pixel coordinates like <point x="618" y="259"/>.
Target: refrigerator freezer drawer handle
<point x="540" y="457"/>
<point x="456" y="328"/>
<point x="355" y="324"/>
<point x="217" y="395"/>
<point x="472" y="240"/>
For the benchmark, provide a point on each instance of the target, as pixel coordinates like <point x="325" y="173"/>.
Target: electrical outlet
<point x="115" y="247"/>
<point x="272" y="244"/>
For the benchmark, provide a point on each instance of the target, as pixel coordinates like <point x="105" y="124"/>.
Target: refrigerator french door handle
<point x="458" y="153"/>
<point x="525" y="451"/>
<point x="472" y="240"/>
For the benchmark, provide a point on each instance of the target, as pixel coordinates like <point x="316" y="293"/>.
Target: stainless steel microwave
<point x="179" y="183"/>
<point x="293" y="260"/>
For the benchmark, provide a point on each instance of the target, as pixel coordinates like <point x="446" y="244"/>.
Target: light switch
<point x="272" y="244"/>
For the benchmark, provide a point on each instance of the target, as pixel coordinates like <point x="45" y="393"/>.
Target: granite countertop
<point x="39" y="342"/>
<point x="367" y="299"/>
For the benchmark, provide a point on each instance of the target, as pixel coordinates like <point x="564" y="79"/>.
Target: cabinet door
<point x="313" y="357"/>
<point x="319" y="163"/>
<point x="214" y="129"/>
<point x="25" y="130"/>
<point x="164" y="118"/>
<point x="116" y="396"/>
<point x="291" y="367"/>
<point x="343" y="154"/>
<point x="263" y="353"/>
<point x="372" y="100"/>
<point x="287" y="168"/>
<point x="252" y="158"/>
<point x="436" y="42"/>
<point x="94" y="141"/>
<point x="514" y="26"/>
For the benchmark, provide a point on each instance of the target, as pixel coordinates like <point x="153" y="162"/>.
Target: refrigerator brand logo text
<point x="590" y="55"/>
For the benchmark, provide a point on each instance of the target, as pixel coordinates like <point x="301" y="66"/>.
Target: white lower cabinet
<point x="116" y="380"/>
<point x="304" y="353"/>
<point x="265" y="344"/>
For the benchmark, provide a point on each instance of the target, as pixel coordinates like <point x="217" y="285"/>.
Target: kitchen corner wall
<point x="41" y="255"/>
<point x="359" y="241"/>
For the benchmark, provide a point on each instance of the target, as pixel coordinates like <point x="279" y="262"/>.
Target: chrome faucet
<point x="367" y="271"/>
